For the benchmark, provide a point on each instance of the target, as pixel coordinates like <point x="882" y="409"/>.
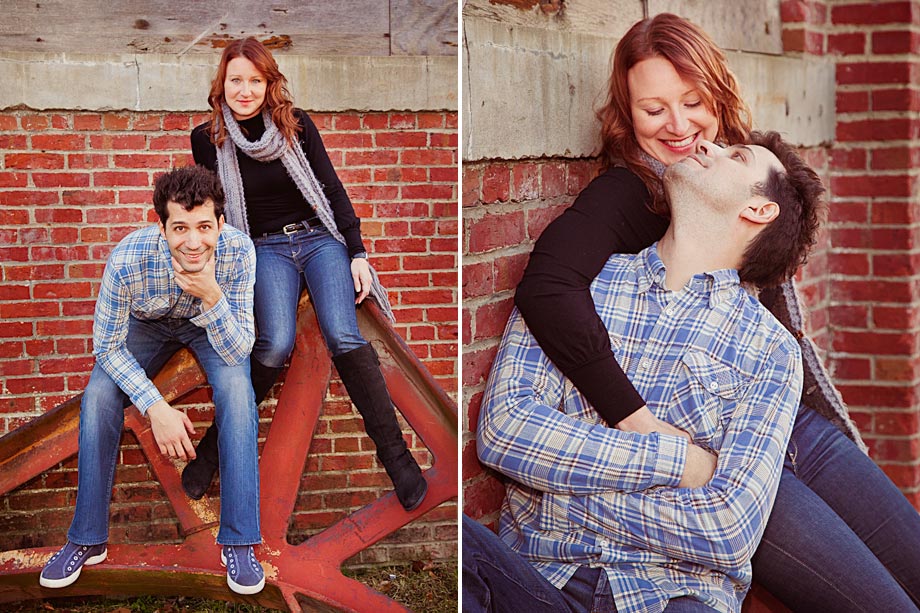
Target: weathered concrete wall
<point x="159" y="82"/>
<point x="532" y="81"/>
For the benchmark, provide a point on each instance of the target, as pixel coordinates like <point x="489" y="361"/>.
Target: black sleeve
<point x="609" y="216"/>
<point x="203" y="149"/>
<point x="345" y="219"/>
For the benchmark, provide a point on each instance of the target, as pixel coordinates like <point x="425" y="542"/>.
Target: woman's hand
<point x="361" y="275"/>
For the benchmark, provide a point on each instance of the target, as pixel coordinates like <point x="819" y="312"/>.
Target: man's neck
<point x="696" y="247"/>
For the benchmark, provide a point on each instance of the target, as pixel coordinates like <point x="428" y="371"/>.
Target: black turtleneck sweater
<point x="272" y="197"/>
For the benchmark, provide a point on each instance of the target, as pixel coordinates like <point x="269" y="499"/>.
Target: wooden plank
<point x="424" y="27"/>
<point x="344" y="27"/>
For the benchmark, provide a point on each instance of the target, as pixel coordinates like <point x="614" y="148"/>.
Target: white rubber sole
<point x="241" y="589"/>
<point x="65" y="581"/>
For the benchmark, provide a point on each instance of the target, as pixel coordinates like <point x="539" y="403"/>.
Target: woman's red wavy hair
<point x="697" y="59"/>
<point x="277" y="97"/>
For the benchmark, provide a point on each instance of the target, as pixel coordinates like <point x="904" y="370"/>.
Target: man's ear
<point x="760" y="213"/>
<point x="220" y="223"/>
<point x="162" y="227"/>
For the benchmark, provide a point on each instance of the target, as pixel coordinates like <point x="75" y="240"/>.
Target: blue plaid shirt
<point x="139" y="282"/>
<point x="710" y="360"/>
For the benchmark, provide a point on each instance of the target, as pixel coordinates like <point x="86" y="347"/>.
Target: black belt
<point x="291" y="228"/>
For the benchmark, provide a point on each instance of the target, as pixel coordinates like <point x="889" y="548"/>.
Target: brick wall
<point x="876" y="297"/>
<point x="506" y="206"/>
<point x="72" y="184"/>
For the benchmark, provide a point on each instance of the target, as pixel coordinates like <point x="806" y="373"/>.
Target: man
<point x="187" y="281"/>
<point x="598" y="518"/>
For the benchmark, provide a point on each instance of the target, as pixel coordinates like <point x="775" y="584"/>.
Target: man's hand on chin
<point x="171" y="429"/>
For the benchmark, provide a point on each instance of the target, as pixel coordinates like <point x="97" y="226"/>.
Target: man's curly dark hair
<point x="777" y="252"/>
<point x="189" y="186"/>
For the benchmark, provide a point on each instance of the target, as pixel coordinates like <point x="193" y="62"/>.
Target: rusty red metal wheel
<point x="306" y="576"/>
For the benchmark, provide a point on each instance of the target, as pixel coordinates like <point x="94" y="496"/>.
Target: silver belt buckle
<point x="291" y="228"/>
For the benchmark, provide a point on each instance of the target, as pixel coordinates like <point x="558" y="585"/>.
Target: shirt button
<point x="713" y="386"/>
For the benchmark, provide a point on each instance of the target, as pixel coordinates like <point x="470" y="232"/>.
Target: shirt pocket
<point x="707" y="397"/>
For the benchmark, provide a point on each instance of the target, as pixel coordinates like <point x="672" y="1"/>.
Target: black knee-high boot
<point x="360" y="372"/>
<point x="199" y="473"/>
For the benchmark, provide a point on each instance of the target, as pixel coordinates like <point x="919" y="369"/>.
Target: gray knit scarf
<point x="785" y="303"/>
<point x="270" y="147"/>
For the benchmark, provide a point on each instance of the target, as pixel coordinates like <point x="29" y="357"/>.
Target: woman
<point x="841" y="536"/>
<point x="281" y="188"/>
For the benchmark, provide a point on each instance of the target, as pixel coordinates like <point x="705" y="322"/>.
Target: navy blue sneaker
<point x="244" y="573"/>
<point x="64" y="567"/>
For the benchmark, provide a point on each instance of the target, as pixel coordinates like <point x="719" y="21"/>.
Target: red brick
<point x="32" y="161"/>
<point x="843" y="212"/>
<point x="111" y="121"/>
<point x="8" y="122"/>
<point x="125" y="178"/>
<point x="427" y="192"/>
<point x="849" y="43"/>
<point x="852" y="369"/>
<point x="895" y="100"/>
<point x="874" y="342"/>
<point x="476" y="364"/>
<point x="794" y="40"/>
<point x="472" y="185"/>
<point x="120" y="141"/>
<point x="895" y="369"/>
<point x="495" y="230"/>
<point x="875" y="129"/>
<point x="63" y="327"/>
<point x="477" y="280"/>
<point x="491" y="319"/>
<point x="175" y="121"/>
<point x="14" y="254"/>
<point x="377" y="157"/>
<point x="872" y="186"/>
<point x="13" y="141"/>
<point x="14" y="217"/>
<point x="59" y="142"/>
<point x="578" y="174"/>
<point x="35" y="123"/>
<point x="159" y="143"/>
<point x="60" y="179"/>
<point x="894" y="264"/>
<point x="87" y="122"/>
<point x="872" y="13"/>
<point x="873" y="72"/>
<point x="395" y="245"/>
<point x="86" y="161"/>
<point x="483" y="497"/>
<point x="853" y="264"/>
<point x="401" y="139"/>
<point x="403" y="121"/>
<point x="895" y="158"/>
<point x="428" y="157"/>
<point x="894" y="318"/>
<point x="142" y="160"/>
<point x="890" y="42"/>
<point x="848" y="159"/>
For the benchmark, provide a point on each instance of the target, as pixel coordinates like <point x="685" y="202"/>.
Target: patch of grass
<point x="422" y="587"/>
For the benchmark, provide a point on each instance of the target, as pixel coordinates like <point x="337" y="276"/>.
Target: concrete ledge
<point x="531" y="92"/>
<point x="153" y="82"/>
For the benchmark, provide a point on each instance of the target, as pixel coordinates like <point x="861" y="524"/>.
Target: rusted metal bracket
<point x="298" y="577"/>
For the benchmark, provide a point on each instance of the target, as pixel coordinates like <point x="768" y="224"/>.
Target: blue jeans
<point x="841" y="537"/>
<point x="102" y="420"/>
<point x="497" y="579"/>
<point x="285" y="264"/>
